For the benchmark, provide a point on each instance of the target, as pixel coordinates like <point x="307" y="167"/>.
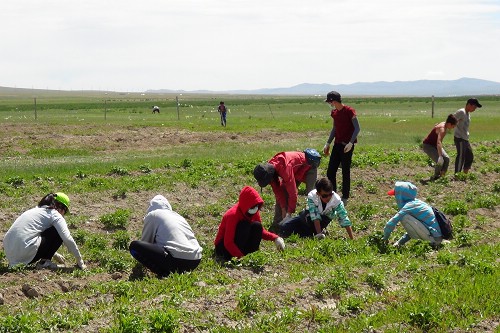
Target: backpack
<point x="444" y="224"/>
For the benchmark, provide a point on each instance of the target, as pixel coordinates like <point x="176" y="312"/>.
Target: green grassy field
<point x="111" y="155"/>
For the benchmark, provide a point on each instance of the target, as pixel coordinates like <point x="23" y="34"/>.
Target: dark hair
<point x="324" y="184"/>
<point x="452" y="119"/>
<point x="49" y="200"/>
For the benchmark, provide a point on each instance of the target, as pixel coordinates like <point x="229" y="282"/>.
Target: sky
<point x="134" y="46"/>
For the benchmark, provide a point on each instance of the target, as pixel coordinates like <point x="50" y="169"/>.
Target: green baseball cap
<point x="62" y="198"/>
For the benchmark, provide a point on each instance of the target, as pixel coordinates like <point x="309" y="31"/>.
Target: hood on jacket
<point x="158" y="202"/>
<point x="249" y="197"/>
<point x="404" y="192"/>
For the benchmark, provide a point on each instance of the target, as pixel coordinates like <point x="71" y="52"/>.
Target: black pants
<point x="465" y="157"/>
<point x="51" y="242"/>
<point x="338" y="158"/>
<point x="302" y="225"/>
<point x="247" y="238"/>
<point x="158" y="260"/>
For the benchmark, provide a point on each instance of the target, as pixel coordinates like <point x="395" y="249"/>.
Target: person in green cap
<point x="38" y="233"/>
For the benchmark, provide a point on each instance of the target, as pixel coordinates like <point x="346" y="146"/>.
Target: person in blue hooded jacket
<point x="416" y="217"/>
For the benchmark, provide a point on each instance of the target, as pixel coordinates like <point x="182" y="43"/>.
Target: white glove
<point x="58" y="258"/>
<point x="440" y="160"/>
<point x="280" y="243"/>
<point x="396" y="244"/>
<point x="81" y="264"/>
<point x="326" y="149"/>
<point x="320" y="236"/>
<point x="348" y="147"/>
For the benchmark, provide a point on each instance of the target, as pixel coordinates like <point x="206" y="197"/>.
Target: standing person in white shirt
<point x="463" y="161"/>
<point x="38" y="233"/>
<point x="167" y="243"/>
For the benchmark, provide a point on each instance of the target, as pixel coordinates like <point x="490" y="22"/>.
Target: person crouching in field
<point x="284" y="172"/>
<point x="240" y="231"/>
<point x="416" y="216"/>
<point x="323" y="205"/>
<point x="433" y="146"/>
<point x="38" y="233"/>
<point x="167" y="243"/>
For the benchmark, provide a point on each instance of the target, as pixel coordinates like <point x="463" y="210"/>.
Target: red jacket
<point x="291" y="167"/>
<point x="249" y="198"/>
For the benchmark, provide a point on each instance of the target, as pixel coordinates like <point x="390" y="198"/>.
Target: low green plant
<point x="121" y="240"/>
<point x="116" y="220"/>
<point x="424" y="318"/>
<point x="164" y="321"/>
<point x="335" y="285"/>
<point x="366" y="211"/>
<point x="247" y="301"/>
<point x="375" y="280"/>
<point x="119" y="171"/>
<point x="486" y="201"/>
<point x="464" y="239"/>
<point x="456" y="207"/>
<point x="351" y="305"/>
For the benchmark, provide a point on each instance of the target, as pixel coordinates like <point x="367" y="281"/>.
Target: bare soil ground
<point x="19" y="286"/>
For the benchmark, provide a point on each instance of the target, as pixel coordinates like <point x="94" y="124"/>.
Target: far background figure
<point x="465" y="157"/>
<point x="223" y="111"/>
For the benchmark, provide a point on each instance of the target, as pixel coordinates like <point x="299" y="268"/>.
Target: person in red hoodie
<point x="285" y="171"/>
<point x="241" y="231"/>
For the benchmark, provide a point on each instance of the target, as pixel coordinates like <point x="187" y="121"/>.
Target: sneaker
<point x="59" y="258"/>
<point x="46" y="263"/>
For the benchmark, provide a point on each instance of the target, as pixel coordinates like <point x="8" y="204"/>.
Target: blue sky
<point x="238" y="44"/>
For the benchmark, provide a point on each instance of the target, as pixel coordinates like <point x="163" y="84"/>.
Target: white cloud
<point x="240" y="44"/>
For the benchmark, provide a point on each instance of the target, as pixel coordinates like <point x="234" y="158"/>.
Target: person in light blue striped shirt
<point x="416" y="216"/>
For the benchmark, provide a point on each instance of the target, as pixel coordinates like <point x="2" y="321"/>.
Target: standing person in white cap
<point x="345" y="131"/>
<point x="38" y="233"/>
<point x="463" y="161"/>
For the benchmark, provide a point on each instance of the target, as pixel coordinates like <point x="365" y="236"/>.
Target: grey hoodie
<point x="166" y="228"/>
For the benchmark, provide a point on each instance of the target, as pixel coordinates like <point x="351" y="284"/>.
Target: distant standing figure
<point x="463" y="161"/>
<point x="167" y="243"/>
<point x="156" y="109"/>
<point x="222" y="110"/>
<point x="38" y="233"/>
<point x="433" y="146"/>
<point x="345" y="132"/>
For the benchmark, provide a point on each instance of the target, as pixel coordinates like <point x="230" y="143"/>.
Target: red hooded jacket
<point x="291" y="167"/>
<point x="249" y="198"/>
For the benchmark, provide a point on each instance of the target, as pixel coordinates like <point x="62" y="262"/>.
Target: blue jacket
<point x="405" y="195"/>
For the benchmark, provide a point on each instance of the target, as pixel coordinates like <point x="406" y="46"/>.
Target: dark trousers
<point x="158" y="260"/>
<point x="51" y="242"/>
<point x="247" y="238"/>
<point x="337" y="158"/>
<point x="464" y="158"/>
<point x="302" y="225"/>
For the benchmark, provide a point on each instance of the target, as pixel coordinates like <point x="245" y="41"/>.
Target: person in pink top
<point x="433" y="146"/>
<point x="240" y="231"/>
<point x="284" y="172"/>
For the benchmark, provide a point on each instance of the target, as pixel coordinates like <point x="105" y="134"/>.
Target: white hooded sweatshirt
<point x="166" y="228"/>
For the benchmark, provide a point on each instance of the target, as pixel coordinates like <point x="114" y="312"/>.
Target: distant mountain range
<point x="438" y="88"/>
<point x="442" y="88"/>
